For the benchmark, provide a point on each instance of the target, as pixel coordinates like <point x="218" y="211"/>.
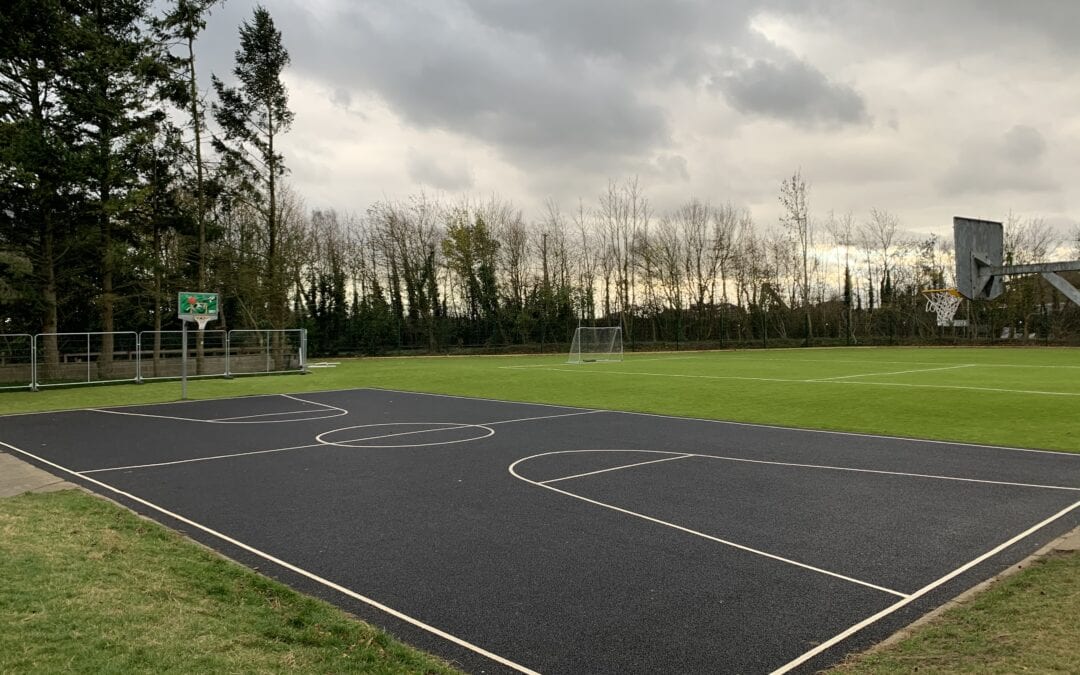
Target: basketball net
<point x="943" y="302"/>
<point x="201" y="319"/>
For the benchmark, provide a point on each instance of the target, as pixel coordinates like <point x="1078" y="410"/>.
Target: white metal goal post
<point x="596" y="344"/>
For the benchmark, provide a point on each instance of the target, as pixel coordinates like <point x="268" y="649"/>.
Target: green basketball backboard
<point x="191" y="305"/>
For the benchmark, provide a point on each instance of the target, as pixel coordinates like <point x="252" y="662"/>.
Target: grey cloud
<point x="1022" y="145"/>
<point x="1011" y="163"/>
<point x="793" y="91"/>
<point x="933" y="30"/>
<point x="441" y="175"/>
<point x="646" y="33"/>
<point x="441" y="68"/>
<point x="668" y="168"/>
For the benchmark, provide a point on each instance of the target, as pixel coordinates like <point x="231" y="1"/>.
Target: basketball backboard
<point x="979" y="247"/>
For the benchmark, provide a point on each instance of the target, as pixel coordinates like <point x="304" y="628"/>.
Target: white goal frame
<point x="592" y="344"/>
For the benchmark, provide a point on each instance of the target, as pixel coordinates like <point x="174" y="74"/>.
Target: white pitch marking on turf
<point x="202" y="459"/>
<point x="895" y="372"/>
<point x="614" y="468"/>
<point x="696" y="533"/>
<point x="742" y="356"/>
<point x="606" y="371"/>
<point x="824" y="467"/>
<point x="919" y="593"/>
<point x="289" y="566"/>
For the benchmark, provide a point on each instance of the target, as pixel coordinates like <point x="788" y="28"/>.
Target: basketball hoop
<point x="201" y="319"/>
<point x="944" y="302"/>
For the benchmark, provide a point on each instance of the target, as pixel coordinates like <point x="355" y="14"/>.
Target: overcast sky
<point x="925" y="108"/>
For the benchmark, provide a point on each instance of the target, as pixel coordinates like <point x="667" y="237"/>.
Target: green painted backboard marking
<point x="190" y="304"/>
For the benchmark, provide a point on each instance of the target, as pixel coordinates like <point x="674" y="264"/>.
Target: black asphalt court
<point x="522" y="537"/>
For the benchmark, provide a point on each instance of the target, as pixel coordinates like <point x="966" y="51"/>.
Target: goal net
<point x="596" y="344"/>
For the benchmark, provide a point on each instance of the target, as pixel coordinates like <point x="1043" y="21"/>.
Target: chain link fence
<point x="16" y="361"/>
<point x="64" y="359"/>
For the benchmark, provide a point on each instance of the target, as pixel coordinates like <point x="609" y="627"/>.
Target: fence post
<point x="33" y="363"/>
<point x="138" y="358"/>
<point x="228" y="354"/>
<point x="303" y="351"/>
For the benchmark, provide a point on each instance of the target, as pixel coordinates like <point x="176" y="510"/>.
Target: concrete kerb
<point x="17" y="477"/>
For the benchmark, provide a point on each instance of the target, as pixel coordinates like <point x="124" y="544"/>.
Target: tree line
<point x="122" y="183"/>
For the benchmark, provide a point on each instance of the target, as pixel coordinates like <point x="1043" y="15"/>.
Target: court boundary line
<point x="681" y="528"/>
<point x="843" y="635"/>
<point x="797" y="465"/>
<point x="291" y="567"/>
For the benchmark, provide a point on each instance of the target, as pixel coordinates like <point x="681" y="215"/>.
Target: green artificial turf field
<point x="1024" y="397"/>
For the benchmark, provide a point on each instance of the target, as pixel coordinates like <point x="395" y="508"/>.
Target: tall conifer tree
<point x="252" y="115"/>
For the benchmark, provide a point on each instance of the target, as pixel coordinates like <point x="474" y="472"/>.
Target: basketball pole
<point x="183" y="361"/>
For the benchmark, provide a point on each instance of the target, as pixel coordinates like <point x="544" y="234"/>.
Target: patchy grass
<point x="1029" y="622"/>
<point x="88" y="586"/>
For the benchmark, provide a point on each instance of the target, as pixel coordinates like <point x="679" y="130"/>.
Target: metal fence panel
<point x="266" y="351"/>
<point x="162" y="354"/>
<point x="16" y="361"/>
<point x="83" y="358"/>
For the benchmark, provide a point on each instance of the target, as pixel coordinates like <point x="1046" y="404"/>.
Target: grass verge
<point x="88" y="586"/>
<point x="1028" y="622"/>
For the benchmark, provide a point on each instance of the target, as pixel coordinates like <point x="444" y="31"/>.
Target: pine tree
<point x="252" y="116"/>
<point x="109" y="90"/>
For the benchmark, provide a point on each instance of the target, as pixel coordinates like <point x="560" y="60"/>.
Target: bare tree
<point x="1027" y="240"/>
<point x="842" y="230"/>
<point x="624" y="216"/>
<point x="796" y="219"/>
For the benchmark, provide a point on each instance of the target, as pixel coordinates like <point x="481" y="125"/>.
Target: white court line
<point x="709" y="537"/>
<point x="451" y="427"/>
<point x="781" y="379"/>
<point x="324" y="444"/>
<point x="919" y="593"/>
<point x="545" y="417"/>
<point x="289" y="566"/>
<point x="246" y="417"/>
<point x="824" y="467"/>
<point x="232" y="420"/>
<point x="324" y="406"/>
<point x="200" y="459"/>
<point x="895" y="372"/>
<point x="614" y="468"/>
